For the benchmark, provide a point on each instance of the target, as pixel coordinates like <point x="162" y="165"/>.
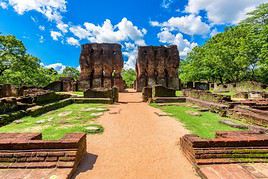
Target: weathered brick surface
<point x="29" y="151"/>
<point x="101" y="66"/>
<point x="256" y="116"/>
<point x="227" y="147"/>
<point x="157" y="65"/>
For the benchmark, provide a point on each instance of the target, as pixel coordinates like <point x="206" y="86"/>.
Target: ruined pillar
<point x="101" y="66"/>
<point x="157" y="65"/>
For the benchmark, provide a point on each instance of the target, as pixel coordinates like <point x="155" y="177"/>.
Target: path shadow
<point x="86" y="164"/>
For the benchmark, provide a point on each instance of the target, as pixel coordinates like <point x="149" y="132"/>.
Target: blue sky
<point x="52" y="30"/>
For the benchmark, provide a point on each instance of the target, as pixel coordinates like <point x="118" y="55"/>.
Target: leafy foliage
<point x="71" y="72"/>
<point x="238" y="54"/>
<point x="129" y="76"/>
<point x="19" y="68"/>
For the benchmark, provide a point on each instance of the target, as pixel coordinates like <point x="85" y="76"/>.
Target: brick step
<point x="229" y="160"/>
<point x="209" y="156"/>
<point x="227" y="147"/>
<point x="169" y="99"/>
<point x="32" y="165"/>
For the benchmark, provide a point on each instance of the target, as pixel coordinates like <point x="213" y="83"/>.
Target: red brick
<point x="67" y="159"/>
<point x="51" y="159"/>
<point x="65" y="164"/>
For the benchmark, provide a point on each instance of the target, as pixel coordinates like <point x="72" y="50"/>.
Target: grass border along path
<point x="56" y="123"/>
<point x="204" y="126"/>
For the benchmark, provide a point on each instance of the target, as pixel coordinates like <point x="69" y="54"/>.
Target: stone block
<point x="98" y="93"/>
<point x="161" y="91"/>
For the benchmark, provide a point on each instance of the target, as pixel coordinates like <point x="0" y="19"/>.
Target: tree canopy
<point x="238" y="54"/>
<point x="129" y="77"/>
<point x="19" y="68"/>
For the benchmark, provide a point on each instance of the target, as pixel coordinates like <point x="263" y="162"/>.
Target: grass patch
<point x="204" y="126"/>
<point x="80" y="93"/>
<point x="55" y="124"/>
<point x="179" y="93"/>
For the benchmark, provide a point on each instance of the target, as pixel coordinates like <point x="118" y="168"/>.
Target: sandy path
<point x="136" y="144"/>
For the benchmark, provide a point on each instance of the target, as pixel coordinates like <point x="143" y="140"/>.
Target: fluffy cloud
<point x="190" y="25"/>
<point x="55" y="35"/>
<point x="59" y="67"/>
<point x="72" y="41"/>
<point x="62" y="27"/>
<point x="214" y="32"/>
<point x="41" y="39"/>
<point x="42" y="28"/>
<point x="50" y="8"/>
<point x="184" y="46"/>
<point x="166" y="3"/>
<point x="80" y="32"/>
<point x="223" y="11"/>
<point x="109" y="33"/>
<point x="131" y="52"/>
<point x="3" y="5"/>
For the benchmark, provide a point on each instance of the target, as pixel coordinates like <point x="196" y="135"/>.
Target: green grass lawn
<point x="55" y="124"/>
<point x="204" y="126"/>
<point x="179" y="93"/>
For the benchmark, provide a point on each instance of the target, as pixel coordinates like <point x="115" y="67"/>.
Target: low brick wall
<point x="28" y="151"/>
<point x="227" y="147"/>
<point x="103" y="93"/>
<point x="255" y="116"/>
<point x="169" y="100"/>
<point x="207" y="96"/>
<point x="212" y="106"/>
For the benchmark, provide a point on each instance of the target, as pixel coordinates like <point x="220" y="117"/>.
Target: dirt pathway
<point x="136" y="144"/>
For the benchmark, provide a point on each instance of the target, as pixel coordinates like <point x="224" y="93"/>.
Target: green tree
<point x="129" y="76"/>
<point x="19" y="68"/>
<point x="71" y="72"/>
<point x="12" y="51"/>
<point x="238" y="54"/>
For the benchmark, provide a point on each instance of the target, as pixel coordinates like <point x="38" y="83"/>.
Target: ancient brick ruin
<point x="101" y="66"/>
<point x="157" y="65"/>
<point x="227" y="147"/>
<point x="29" y="151"/>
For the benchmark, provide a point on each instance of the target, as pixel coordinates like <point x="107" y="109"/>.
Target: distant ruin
<point x="157" y="65"/>
<point x="101" y="66"/>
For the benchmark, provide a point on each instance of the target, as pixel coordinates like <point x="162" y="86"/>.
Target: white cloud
<point x="59" y="67"/>
<point x="190" y="25"/>
<point x="63" y="27"/>
<point x="78" y="68"/>
<point x="223" y="11"/>
<point x="125" y="30"/>
<point x="184" y="46"/>
<point x="80" y="32"/>
<point x="41" y="39"/>
<point x="42" y="28"/>
<point x="55" y="35"/>
<point x="34" y="19"/>
<point x="131" y="56"/>
<point x="3" y="5"/>
<point x="166" y="3"/>
<point x="214" y="32"/>
<point x="52" y="9"/>
<point x="72" y="41"/>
